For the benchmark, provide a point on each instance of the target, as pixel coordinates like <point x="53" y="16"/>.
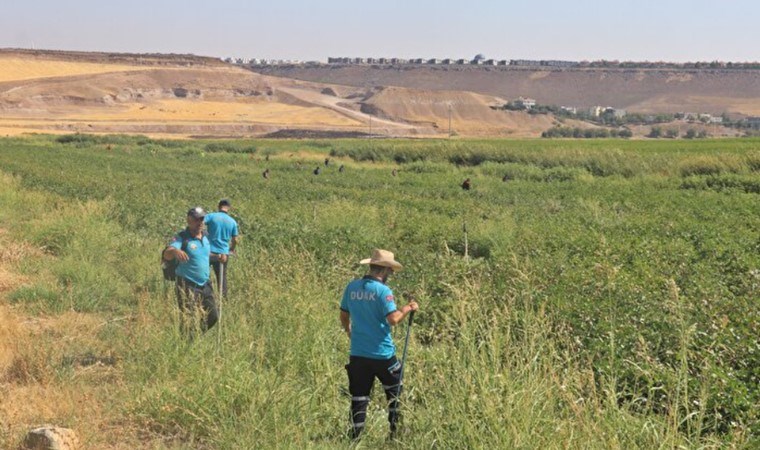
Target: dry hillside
<point x="183" y="96"/>
<point x="186" y="95"/>
<point x="640" y="90"/>
<point x="180" y="95"/>
<point x="470" y="113"/>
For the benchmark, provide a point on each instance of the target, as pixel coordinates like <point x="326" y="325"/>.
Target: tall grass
<point x="598" y="308"/>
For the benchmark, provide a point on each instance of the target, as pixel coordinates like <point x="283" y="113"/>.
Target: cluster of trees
<point x="607" y="117"/>
<point x="672" y="133"/>
<point x="588" y="133"/>
<point x="611" y="118"/>
<point x="515" y="105"/>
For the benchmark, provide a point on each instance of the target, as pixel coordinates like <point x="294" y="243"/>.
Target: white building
<point x="527" y="102"/>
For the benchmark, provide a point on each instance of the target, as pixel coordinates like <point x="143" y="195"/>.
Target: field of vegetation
<point x="589" y="294"/>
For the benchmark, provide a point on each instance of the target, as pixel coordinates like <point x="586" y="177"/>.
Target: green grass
<point x="610" y="297"/>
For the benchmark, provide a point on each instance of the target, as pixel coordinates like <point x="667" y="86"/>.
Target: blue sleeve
<point x="207" y="219"/>
<point x="344" y="301"/>
<point x="388" y="302"/>
<point x="176" y="242"/>
<point x="235" y="229"/>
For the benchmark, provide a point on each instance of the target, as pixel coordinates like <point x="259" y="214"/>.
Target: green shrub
<point x="700" y="165"/>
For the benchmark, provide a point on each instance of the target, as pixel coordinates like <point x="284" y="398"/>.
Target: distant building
<point x="596" y="111"/>
<point x="524" y="62"/>
<point x="447" y="61"/>
<point x="527" y="102"/>
<point x="753" y="122"/>
<point x="489" y="62"/>
<point x="463" y="62"/>
<point x="556" y="63"/>
<point x="433" y="61"/>
<point x="709" y="118"/>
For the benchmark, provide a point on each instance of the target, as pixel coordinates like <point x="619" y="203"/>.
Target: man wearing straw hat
<point x="367" y="312"/>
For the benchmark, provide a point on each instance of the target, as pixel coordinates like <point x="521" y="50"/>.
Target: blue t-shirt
<point x="221" y="228"/>
<point x="368" y="302"/>
<point x="196" y="269"/>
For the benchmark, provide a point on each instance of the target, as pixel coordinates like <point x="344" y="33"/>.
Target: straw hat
<point x="383" y="258"/>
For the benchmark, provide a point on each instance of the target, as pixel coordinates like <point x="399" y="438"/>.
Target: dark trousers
<point x="361" y="376"/>
<point x="196" y="301"/>
<point x="216" y="264"/>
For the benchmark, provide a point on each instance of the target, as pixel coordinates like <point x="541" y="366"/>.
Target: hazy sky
<point x="668" y="30"/>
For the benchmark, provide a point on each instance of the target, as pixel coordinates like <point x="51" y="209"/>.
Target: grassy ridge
<point x="610" y="299"/>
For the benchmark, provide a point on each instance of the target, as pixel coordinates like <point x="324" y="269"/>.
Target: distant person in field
<point x="265" y="174"/>
<point x="341" y="168"/>
<point x="466" y="184"/>
<point x="367" y="313"/>
<point x="224" y="236"/>
<point x="327" y="162"/>
<point x="316" y="171"/>
<point x="195" y="295"/>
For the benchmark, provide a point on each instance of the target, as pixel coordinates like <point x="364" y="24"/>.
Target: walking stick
<point x="221" y="296"/>
<point x="406" y="346"/>
<point x="403" y="366"/>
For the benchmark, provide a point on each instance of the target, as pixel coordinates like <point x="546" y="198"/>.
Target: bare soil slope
<point x="470" y="113"/>
<point x="179" y="95"/>
<point x="90" y="96"/>
<point x="641" y="90"/>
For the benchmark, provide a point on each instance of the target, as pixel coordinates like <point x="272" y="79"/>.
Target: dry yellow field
<point x="19" y="69"/>
<point x="262" y="112"/>
<point x="17" y="130"/>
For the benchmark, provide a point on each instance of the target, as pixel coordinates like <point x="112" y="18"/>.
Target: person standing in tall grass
<point x="367" y="312"/>
<point x="224" y="236"/>
<point x="191" y="249"/>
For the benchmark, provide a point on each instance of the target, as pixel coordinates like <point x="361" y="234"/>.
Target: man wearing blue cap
<point x="191" y="249"/>
<point x="224" y="236"/>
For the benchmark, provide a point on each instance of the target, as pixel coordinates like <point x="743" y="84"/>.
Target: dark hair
<point x="378" y="268"/>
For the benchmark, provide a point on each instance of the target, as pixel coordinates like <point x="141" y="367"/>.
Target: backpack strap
<point x="186" y="238"/>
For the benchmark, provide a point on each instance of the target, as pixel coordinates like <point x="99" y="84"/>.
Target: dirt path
<point x="333" y="103"/>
